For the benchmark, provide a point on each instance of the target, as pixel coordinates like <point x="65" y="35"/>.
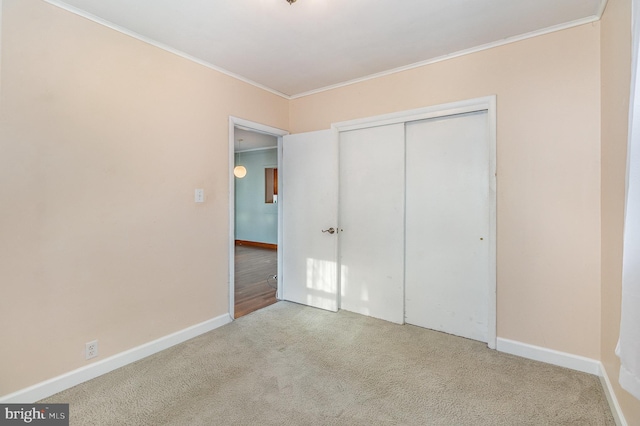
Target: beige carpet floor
<point x="293" y="365"/>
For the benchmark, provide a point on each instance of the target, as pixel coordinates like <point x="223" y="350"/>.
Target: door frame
<point x="486" y="103"/>
<point x="259" y="128"/>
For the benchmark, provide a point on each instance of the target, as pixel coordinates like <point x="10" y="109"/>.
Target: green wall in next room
<point x="255" y="220"/>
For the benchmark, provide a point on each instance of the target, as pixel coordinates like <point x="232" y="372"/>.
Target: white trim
<point x="232" y="217"/>
<point x="159" y="45"/>
<point x="240" y="123"/>
<point x="493" y="224"/>
<point x="266" y="148"/>
<point x="601" y="9"/>
<point x="616" y="410"/>
<point x="80" y="375"/>
<point x="281" y="193"/>
<point x="508" y="40"/>
<point x="442" y="110"/>
<point x="252" y="126"/>
<point x="487" y="46"/>
<point x="567" y="360"/>
<point x="1" y="46"/>
<point x="550" y="356"/>
<point x="486" y="103"/>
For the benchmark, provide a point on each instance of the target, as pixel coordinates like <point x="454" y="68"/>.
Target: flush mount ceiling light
<point x="240" y="171"/>
<point x="291" y="1"/>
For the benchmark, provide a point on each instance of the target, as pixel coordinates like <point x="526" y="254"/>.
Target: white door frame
<point x="260" y="128"/>
<point x="487" y="103"/>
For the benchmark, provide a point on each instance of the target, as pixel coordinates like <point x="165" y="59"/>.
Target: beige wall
<point x="548" y="149"/>
<point x="103" y="140"/>
<point x="616" y="74"/>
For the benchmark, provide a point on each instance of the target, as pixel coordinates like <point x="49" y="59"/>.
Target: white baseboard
<point x="65" y="381"/>
<point x="550" y="356"/>
<point x="563" y="359"/>
<point x="611" y="398"/>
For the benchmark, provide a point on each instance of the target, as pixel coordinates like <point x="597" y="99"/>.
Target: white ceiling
<point x="247" y="140"/>
<point x="315" y="44"/>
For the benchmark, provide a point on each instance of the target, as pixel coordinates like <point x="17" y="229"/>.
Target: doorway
<point x="254" y="216"/>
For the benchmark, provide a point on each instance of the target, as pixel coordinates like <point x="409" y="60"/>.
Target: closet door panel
<point x="371" y="215"/>
<point x="447" y="225"/>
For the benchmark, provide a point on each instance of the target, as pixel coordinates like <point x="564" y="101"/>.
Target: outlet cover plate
<point x="91" y="349"/>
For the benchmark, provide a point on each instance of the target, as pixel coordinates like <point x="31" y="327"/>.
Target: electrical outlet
<point x="91" y="349"/>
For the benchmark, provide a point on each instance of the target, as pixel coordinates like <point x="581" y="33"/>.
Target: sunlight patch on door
<point x="354" y="297"/>
<point x="321" y="283"/>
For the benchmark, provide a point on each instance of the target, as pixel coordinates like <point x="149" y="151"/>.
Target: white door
<point x="309" y="188"/>
<point x="447" y="225"/>
<point x="371" y="216"/>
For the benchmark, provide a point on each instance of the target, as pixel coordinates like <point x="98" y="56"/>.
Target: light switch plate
<point x="199" y="197"/>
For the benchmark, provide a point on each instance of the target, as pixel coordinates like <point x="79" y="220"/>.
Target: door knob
<point x="330" y="230"/>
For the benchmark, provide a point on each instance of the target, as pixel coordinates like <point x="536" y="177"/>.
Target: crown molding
<point x="601" y="8"/>
<point x="159" y="45"/>
<point x="508" y="40"/>
<point x="457" y="54"/>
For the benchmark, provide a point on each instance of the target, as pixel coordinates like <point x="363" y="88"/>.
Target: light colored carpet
<point x="293" y="365"/>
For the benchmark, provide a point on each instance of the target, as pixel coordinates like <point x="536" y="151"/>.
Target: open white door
<point x="309" y="183"/>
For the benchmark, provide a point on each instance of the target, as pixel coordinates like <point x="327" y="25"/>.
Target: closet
<point x="410" y="198"/>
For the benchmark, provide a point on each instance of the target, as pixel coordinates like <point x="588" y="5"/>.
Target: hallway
<point x="253" y="267"/>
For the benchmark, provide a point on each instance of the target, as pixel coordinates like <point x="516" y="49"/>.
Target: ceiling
<point x="311" y="45"/>
<point x="248" y="140"/>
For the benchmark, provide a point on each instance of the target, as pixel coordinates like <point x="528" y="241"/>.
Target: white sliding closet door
<point x="447" y="225"/>
<point x="371" y="214"/>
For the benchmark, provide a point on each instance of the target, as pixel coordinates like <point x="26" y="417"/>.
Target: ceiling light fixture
<point x="240" y="171"/>
<point x="291" y="1"/>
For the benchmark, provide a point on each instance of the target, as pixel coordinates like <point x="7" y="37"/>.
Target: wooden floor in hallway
<point x="253" y="267"/>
